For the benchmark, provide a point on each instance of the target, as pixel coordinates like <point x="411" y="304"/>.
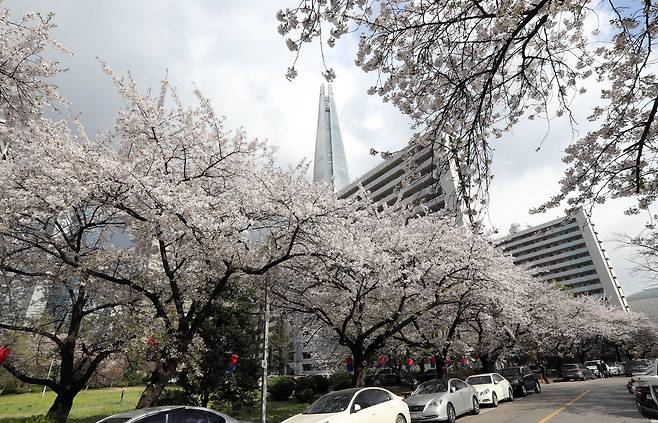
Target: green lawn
<point x="90" y="406"/>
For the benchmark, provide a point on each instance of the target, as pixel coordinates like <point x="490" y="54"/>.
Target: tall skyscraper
<point x="330" y="164"/>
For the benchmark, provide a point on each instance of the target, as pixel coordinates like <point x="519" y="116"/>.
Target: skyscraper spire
<point x="330" y="164"/>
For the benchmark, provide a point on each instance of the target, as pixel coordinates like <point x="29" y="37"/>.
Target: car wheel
<point x="524" y="391"/>
<point x="510" y="395"/>
<point x="494" y="399"/>
<point x="476" y="407"/>
<point x="452" y="416"/>
<point x="537" y="387"/>
<point x="400" y="419"/>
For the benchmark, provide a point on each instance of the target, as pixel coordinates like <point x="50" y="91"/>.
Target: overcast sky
<point x="234" y="55"/>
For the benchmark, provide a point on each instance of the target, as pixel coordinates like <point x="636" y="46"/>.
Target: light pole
<point x="266" y="334"/>
<point x="50" y="369"/>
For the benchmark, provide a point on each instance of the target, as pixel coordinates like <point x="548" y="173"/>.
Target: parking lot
<point x="596" y="401"/>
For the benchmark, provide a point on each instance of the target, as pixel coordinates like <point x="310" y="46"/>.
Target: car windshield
<point x="636" y="363"/>
<point x="479" y="380"/>
<point x="431" y="388"/>
<point x="591" y="363"/>
<point x="334" y="402"/>
<point x="570" y="366"/>
<point x="514" y="371"/>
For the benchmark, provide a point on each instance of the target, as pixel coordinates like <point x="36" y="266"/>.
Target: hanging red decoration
<point x="233" y="360"/>
<point x="382" y="361"/>
<point x="350" y="364"/>
<point x="433" y="360"/>
<point x="4" y="353"/>
<point x="232" y="363"/>
<point x="410" y="362"/>
<point x="152" y="342"/>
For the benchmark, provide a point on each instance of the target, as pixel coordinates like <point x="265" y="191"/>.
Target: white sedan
<point x="491" y="388"/>
<point x="356" y="405"/>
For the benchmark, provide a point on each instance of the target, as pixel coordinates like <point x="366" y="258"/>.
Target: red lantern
<point x="350" y="364"/>
<point x="433" y="360"/>
<point x="4" y="353"/>
<point x="382" y="361"/>
<point x="233" y="361"/>
<point x="152" y="342"/>
<point x="410" y="362"/>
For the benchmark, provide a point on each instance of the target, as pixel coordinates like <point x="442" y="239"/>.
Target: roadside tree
<point x="379" y="274"/>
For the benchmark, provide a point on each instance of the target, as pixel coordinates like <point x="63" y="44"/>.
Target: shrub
<point x="340" y="380"/>
<point x="280" y="388"/>
<point x="305" y="395"/>
<point x="305" y="390"/>
<point x="320" y="384"/>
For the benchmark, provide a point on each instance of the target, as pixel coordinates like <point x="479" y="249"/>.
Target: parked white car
<point x="491" y="388"/>
<point x="437" y="401"/>
<point x="356" y="405"/>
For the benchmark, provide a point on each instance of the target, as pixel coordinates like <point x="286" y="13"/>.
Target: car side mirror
<point x="495" y="382"/>
<point x="453" y="389"/>
<point x="356" y="407"/>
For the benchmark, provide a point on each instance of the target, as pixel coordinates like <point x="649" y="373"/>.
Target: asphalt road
<point x="596" y="401"/>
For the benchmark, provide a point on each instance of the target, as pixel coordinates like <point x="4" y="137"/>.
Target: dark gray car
<point x="576" y="371"/>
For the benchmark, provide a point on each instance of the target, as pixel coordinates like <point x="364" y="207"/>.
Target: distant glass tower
<point x="330" y="165"/>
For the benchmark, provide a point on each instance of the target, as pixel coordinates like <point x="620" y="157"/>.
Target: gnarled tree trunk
<point x="61" y="407"/>
<point x="162" y="374"/>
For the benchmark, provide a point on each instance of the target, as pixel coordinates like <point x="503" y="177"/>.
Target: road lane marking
<point x="562" y="408"/>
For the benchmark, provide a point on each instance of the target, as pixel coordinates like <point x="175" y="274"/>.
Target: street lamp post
<point x="266" y="334"/>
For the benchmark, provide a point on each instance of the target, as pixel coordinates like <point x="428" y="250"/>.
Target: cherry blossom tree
<point x="486" y="321"/>
<point x="53" y="229"/>
<point x="379" y="275"/>
<point x="473" y="69"/>
<point x="25" y="70"/>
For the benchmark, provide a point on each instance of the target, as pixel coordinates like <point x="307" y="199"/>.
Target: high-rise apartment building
<point x="568" y="253"/>
<point x="418" y="179"/>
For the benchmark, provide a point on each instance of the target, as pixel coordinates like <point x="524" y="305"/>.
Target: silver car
<point x="170" y="414"/>
<point x="437" y="401"/>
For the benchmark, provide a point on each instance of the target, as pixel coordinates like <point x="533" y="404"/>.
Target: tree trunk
<point x="441" y="370"/>
<point x="157" y="382"/>
<point x="60" y="409"/>
<point x="360" y="373"/>
<point x="488" y="363"/>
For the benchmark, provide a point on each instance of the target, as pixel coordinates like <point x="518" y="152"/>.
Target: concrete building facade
<point x="645" y="301"/>
<point x="420" y="180"/>
<point x="568" y="253"/>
